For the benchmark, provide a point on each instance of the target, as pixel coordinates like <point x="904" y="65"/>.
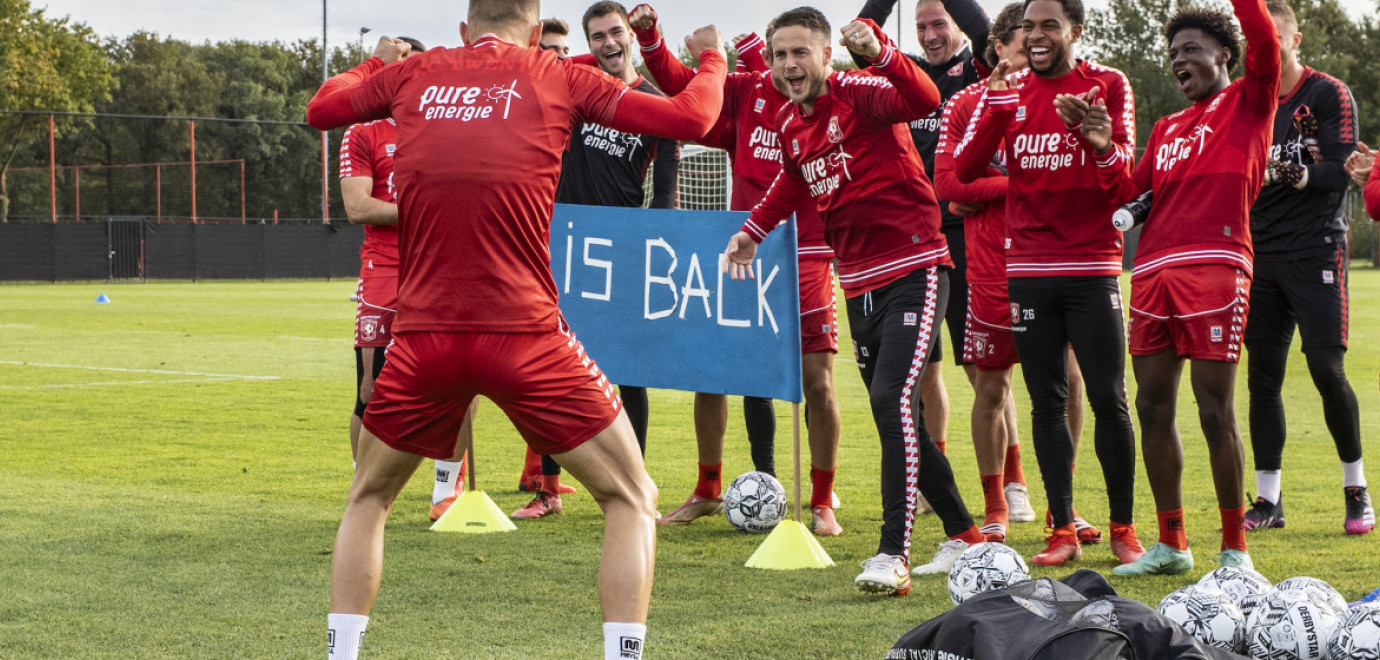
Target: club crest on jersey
<point x="1215" y="334"/>
<point x="835" y="133"/>
<point x="910" y="318"/>
<point x="956" y="70"/>
<point x="759" y="106"/>
<point x="390" y="148"/>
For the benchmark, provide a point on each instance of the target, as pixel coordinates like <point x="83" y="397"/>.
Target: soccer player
<point x="1300" y="278"/>
<point x="605" y="167"/>
<point x="844" y="144"/>
<point x="554" y="33"/>
<point x="1189" y="287"/>
<point x="1063" y="261"/>
<point x="940" y="27"/>
<point x="747" y="130"/>
<point x="468" y="119"/>
<point x="371" y="200"/>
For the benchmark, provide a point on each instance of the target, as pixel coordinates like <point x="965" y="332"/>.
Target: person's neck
<point x="1289" y="78"/>
<point x="630" y="76"/>
<point x="501" y="35"/>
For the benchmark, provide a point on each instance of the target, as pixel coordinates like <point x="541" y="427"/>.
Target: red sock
<point x="821" y="488"/>
<point x="994" y="496"/>
<point x="551" y="483"/>
<point x="710" y="482"/>
<point x="531" y="465"/>
<point x="1013" y="474"/>
<point x="943" y="446"/>
<point x="971" y="536"/>
<point x="1233" y="533"/>
<point x="1172" y="531"/>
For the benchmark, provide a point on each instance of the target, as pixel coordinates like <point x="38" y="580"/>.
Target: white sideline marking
<point x="117" y="382"/>
<point x="165" y="372"/>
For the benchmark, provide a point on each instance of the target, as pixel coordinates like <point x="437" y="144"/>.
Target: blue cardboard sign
<point x="644" y="292"/>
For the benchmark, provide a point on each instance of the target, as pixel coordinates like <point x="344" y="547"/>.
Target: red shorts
<point x="987" y="340"/>
<point x="1199" y="311"/>
<point x="819" y="315"/>
<point x="551" y="390"/>
<point x="376" y="304"/>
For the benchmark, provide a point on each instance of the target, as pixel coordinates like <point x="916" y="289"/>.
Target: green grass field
<point x="174" y="466"/>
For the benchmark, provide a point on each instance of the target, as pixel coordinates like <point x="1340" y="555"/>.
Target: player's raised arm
<point x="335" y="104"/>
<point x="752" y="53"/>
<point x="985" y="132"/>
<point x="973" y="21"/>
<point x="671" y="75"/>
<point x="1262" y="52"/>
<point x="685" y="116"/>
<point x="910" y="96"/>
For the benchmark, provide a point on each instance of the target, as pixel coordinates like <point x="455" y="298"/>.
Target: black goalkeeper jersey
<point x="1288" y="223"/>
<point x="950" y="77"/>
<point x="605" y="167"/>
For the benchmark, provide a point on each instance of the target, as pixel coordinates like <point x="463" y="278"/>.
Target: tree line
<point x="57" y="64"/>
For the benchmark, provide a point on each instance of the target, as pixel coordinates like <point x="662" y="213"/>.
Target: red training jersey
<point x="1206" y="163"/>
<point x="1057" y="215"/>
<point x="481" y="130"/>
<point x="984" y="233"/>
<point x="747" y="130"/>
<point x="853" y="154"/>
<point x="1373" y="192"/>
<point x="367" y="150"/>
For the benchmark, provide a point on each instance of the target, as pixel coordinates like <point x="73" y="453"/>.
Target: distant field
<point x="174" y="466"/>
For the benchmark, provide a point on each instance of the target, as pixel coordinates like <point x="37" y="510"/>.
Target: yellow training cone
<point x="790" y="546"/>
<point x="473" y="513"/>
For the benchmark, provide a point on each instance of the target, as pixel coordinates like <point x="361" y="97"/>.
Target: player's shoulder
<point x="863" y="79"/>
<point x="972" y="91"/>
<point x="1325" y="85"/>
<point x="1102" y="72"/>
<point x="646" y="87"/>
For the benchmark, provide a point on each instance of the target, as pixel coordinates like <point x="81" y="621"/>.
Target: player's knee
<point x="1218" y="422"/>
<point x="819" y="392"/>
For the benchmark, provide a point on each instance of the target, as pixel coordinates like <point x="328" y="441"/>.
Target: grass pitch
<point x="175" y="464"/>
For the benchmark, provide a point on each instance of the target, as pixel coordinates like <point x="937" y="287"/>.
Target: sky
<point x="435" y="22"/>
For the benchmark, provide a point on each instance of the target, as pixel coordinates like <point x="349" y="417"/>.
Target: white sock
<point x="447" y="481"/>
<point x="624" y="641"/>
<point x="1267" y="485"/>
<point x="345" y="635"/>
<point x="1353" y="474"/>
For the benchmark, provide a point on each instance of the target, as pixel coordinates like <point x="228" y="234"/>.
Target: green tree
<point x="45" y="64"/>
<point x="1128" y="36"/>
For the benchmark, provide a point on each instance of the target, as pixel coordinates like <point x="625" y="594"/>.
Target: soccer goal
<point x="705" y="181"/>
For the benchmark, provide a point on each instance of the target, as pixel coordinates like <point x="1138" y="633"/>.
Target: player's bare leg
<point x="711" y="423"/>
<point x="822" y="429"/>
<point x="357" y="561"/>
<point x="1157" y="394"/>
<point x="991" y="391"/>
<point x="1214" y="386"/>
<point x="610" y="466"/>
<point x="450" y="473"/>
<point x="934" y="396"/>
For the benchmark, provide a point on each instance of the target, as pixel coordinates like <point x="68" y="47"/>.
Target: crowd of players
<point x="973" y="184"/>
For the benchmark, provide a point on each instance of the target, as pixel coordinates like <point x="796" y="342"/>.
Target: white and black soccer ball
<point x="1320" y="589"/>
<point x="985" y="567"/>
<point x="1236" y="582"/>
<point x="1175" y="597"/>
<point x="1357" y="636"/>
<point x="755" y="502"/>
<point x="1210" y="616"/>
<point x="1291" y="625"/>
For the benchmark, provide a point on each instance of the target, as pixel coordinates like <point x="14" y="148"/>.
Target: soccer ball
<point x="1236" y="582"/>
<point x="985" y="567"/>
<point x="1210" y="616"/>
<point x="1357" y="636"/>
<point x="1321" y="590"/>
<point x="1291" y="625"/>
<point x="755" y="502"/>
<point x="1176" y="597"/>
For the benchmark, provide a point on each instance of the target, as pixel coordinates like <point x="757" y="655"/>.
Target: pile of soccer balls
<point x="1300" y="618"/>
<point x="755" y="502"/>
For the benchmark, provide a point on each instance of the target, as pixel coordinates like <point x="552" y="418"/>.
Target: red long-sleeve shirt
<point x="984" y="233"/>
<point x="1057" y="215"/>
<point x="853" y="154"/>
<point x="747" y="130"/>
<point x="481" y="130"/>
<point x="1373" y="192"/>
<point x="1206" y="163"/>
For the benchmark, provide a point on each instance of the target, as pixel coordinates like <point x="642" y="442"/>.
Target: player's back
<point x="480" y="135"/>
